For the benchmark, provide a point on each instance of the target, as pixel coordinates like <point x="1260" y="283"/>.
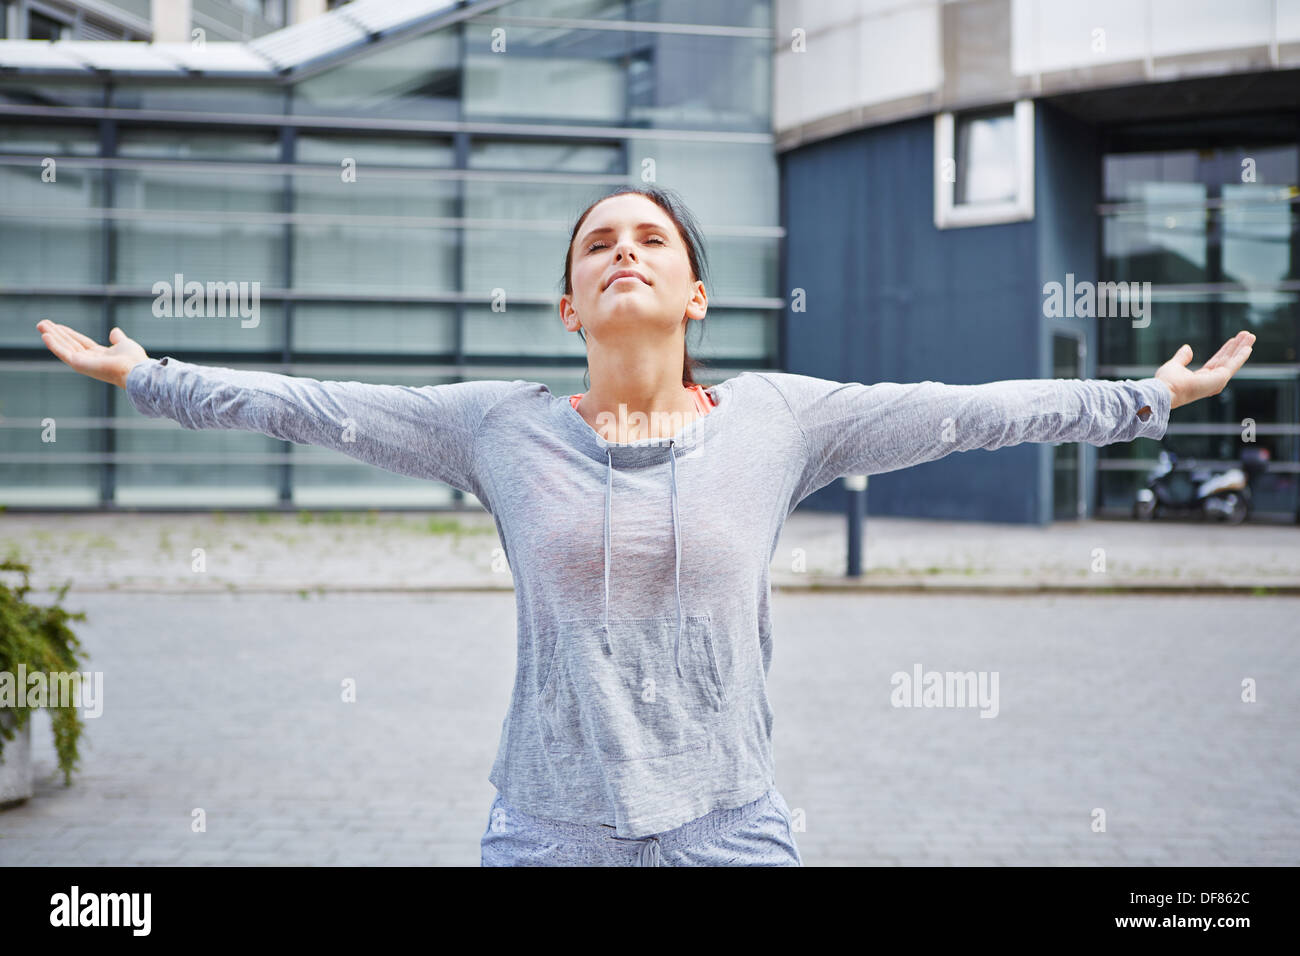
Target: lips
<point x="625" y="272"/>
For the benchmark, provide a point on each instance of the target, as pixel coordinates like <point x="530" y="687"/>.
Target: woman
<point x="639" y="520"/>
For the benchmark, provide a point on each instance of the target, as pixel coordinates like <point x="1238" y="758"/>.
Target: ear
<point x="698" y="303"/>
<point x="567" y="314"/>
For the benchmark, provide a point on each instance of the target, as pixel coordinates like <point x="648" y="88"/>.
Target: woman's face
<point x="630" y="232"/>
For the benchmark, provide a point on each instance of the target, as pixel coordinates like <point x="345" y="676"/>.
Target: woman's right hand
<point x="110" y="364"/>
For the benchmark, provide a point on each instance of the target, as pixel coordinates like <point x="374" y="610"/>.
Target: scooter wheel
<point x="1237" y="509"/>
<point x="1144" y="510"/>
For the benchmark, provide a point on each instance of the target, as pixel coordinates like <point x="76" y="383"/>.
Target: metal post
<point x="108" y="475"/>
<point x="856" y="485"/>
<point x="288" y="202"/>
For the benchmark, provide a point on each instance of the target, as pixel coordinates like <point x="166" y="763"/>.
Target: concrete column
<point x="171" y="21"/>
<point x="305" y="10"/>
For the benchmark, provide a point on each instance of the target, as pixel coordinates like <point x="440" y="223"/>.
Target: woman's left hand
<point x="1209" y="379"/>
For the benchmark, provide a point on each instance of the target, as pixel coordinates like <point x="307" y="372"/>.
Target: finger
<point x="69" y="340"/>
<point x="1243" y="341"/>
<point x="1217" y="378"/>
<point x="1224" y="350"/>
<point x="1230" y="349"/>
<point x="55" y="344"/>
<point x="65" y="347"/>
<point x="73" y="336"/>
<point x="85" y="340"/>
<point x="1238" y="360"/>
<point x="1183" y="355"/>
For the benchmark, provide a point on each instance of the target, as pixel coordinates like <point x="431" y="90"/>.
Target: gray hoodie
<point x="641" y="569"/>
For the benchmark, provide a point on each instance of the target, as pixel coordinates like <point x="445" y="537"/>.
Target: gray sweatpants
<point x="760" y="833"/>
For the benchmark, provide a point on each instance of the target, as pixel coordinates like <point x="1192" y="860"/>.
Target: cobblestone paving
<point x="232" y="703"/>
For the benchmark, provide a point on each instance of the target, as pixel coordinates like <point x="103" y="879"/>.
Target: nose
<point x="625" y="248"/>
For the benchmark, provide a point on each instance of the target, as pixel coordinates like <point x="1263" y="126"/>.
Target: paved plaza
<point x="1126" y="703"/>
<point x="332" y="552"/>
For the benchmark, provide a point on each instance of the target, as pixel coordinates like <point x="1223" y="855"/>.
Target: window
<point x="415" y="79"/>
<point x="41" y="27"/>
<point x="984" y="166"/>
<point x="986" y="158"/>
<point x="272" y="11"/>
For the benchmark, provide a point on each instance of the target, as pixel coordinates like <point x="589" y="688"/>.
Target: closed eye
<point x="600" y="243"/>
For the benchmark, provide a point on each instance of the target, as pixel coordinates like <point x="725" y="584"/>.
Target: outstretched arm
<point x="851" y="428"/>
<point x="424" y="432"/>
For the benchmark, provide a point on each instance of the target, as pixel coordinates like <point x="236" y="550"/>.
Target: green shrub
<point x="38" y="637"/>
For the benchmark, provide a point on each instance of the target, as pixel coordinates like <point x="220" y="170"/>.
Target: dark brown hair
<point x="687" y="227"/>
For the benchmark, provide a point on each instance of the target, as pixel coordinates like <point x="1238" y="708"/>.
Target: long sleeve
<point x="424" y="432"/>
<point x="851" y="428"/>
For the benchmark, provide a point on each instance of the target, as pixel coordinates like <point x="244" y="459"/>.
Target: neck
<point x="635" y="395"/>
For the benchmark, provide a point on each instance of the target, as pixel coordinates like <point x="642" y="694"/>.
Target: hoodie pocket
<point x="630" y="704"/>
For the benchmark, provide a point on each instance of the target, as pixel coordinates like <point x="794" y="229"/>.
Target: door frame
<point x="1081" y="372"/>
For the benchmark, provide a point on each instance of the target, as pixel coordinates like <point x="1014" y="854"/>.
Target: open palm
<point x="110" y="363"/>
<point x="1211" y="377"/>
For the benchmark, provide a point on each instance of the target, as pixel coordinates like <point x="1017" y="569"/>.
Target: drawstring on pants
<point x="649" y="855"/>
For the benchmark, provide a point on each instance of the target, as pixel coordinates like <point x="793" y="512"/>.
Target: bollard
<point x="857" y="514"/>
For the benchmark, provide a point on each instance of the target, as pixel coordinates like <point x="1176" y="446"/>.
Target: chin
<point x="631" y="306"/>
<point x="629" y="315"/>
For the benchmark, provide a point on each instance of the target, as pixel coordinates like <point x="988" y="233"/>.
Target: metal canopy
<point x="214" y="57"/>
<point x="36" y="55"/>
<point x="327" y="35"/>
<point x="133" y="55"/>
<point x="317" y="37"/>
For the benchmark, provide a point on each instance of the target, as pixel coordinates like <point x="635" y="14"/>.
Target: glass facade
<point x="1213" y="228"/>
<point x="379" y="202"/>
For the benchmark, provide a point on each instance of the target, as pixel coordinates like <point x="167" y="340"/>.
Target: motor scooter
<point x="1222" y="495"/>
